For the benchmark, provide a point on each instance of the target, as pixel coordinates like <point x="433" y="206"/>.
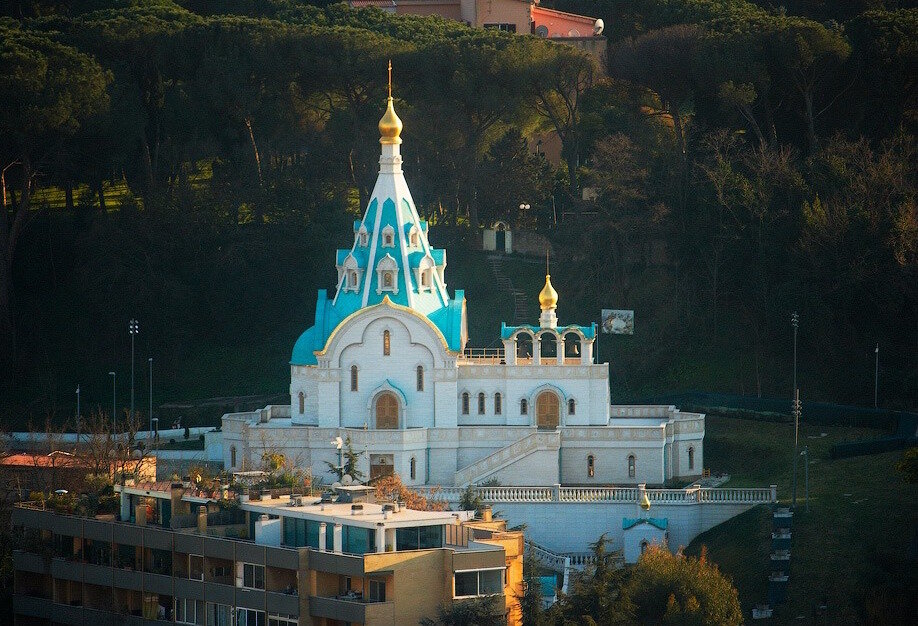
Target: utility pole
<point x="796" y="433"/>
<point x="133" y="328"/>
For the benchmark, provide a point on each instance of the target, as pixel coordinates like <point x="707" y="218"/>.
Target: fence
<point x="557" y="493"/>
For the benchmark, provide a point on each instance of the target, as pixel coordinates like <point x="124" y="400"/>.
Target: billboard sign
<point x="617" y="322"/>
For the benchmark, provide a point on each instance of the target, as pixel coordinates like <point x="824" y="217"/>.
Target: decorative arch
<point x="573" y="344"/>
<point x="424" y="273"/>
<point x="387" y="407"/>
<point x="523" y="340"/>
<point x="351" y="274"/>
<point x="548" y="344"/>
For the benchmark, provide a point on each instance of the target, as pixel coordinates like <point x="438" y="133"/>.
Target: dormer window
<point x="363" y="237"/>
<point x="387" y="275"/>
<point x="424" y="273"/>
<point x="415" y="239"/>
<point x="388" y="237"/>
<point x="350" y="274"/>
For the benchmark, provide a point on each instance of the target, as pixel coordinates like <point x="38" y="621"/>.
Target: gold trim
<point x="392" y="305"/>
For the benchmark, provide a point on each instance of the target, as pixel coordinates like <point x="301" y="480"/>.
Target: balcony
<point x="288" y="604"/>
<point x="32" y="607"/>
<point x="28" y="562"/>
<point x="351" y="610"/>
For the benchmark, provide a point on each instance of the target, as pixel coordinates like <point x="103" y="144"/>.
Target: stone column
<point x="380" y="537"/>
<point x="125" y="506"/>
<point x="510" y="351"/>
<point x="337" y="539"/>
<point x="586" y="351"/>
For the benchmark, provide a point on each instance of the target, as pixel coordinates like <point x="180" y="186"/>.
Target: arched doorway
<point x="548" y="410"/>
<point x="386" y="411"/>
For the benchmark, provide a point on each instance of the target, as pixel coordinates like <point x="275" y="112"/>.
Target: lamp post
<point x="150" y="361"/>
<point x="796" y="431"/>
<point x="78" y="415"/>
<point x="133" y="329"/>
<point x="155" y="428"/>
<point x="806" y="476"/>
<point x="795" y="321"/>
<point x="114" y="402"/>
<point x="876" y="374"/>
<point x="338" y="443"/>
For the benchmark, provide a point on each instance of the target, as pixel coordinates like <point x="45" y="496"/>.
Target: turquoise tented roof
<point x="506" y="332"/>
<point x="657" y="522"/>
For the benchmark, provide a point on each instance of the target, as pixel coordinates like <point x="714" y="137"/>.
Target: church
<point x="385" y="364"/>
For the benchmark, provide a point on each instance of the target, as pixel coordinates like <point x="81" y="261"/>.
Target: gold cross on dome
<point x="390" y="78"/>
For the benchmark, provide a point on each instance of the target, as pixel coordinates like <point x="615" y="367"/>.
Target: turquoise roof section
<point x="589" y="332"/>
<point x="390" y="205"/>
<point x="656" y="522"/>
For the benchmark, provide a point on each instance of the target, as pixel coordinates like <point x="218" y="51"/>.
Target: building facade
<point x="385" y="365"/>
<point x="265" y="564"/>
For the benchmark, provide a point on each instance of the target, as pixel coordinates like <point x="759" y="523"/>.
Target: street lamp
<point x="876" y="374"/>
<point x="133" y="329"/>
<point x="806" y="476"/>
<point x="795" y="321"/>
<point x="796" y="431"/>
<point x="78" y="415"/>
<point x="114" y="396"/>
<point x="150" y="361"/>
<point x="339" y="444"/>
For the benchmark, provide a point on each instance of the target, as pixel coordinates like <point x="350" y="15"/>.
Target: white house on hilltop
<point x="385" y="362"/>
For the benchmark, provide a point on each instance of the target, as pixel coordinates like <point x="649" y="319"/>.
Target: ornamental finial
<point x="390" y="127"/>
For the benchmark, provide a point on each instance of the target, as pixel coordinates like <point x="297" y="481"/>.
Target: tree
<point x="351" y="461"/>
<point x="908" y="465"/>
<point x="392" y="488"/>
<point x="531" y="599"/>
<point x="558" y="77"/>
<point x="593" y="592"/>
<point x="50" y="90"/>
<point x="663" y="588"/>
<point x="485" y="611"/>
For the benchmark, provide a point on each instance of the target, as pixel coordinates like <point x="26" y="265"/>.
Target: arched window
<point x="481" y="403"/>
<point x="691" y="458"/>
<point x="425" y="278"/>
<point x="465" y="402"/>
<point x="631" y="468"/>
<point x="497" y="404"/>
<point x="302" y="403"/>
<point x="591" y="466"/>
<point x="420" y="377"/>
<point x="353" y="279"/>
<point x="644" y="546"/>
<point x="571" y="406"/>
<point x="388" y="240"/>
<point x="524" y="407"/>
<point x="232" y="456"/>
<point x="353" y="378"/>
<point x="386" y="343"/>
<point x="414" y="239"/>
<point x="414" y="468"/>
<point x="387" y="280"/>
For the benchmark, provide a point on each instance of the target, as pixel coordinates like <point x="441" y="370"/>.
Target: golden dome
<point x="548" y="297"/>
<point x="390" y="127"/>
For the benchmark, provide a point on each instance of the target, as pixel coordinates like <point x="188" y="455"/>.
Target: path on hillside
<point x="520" y="306"/>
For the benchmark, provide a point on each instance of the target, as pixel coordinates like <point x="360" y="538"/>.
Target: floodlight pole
<point x="114" y="402"/>
<point x="150" y="361"/>
<point x="133" y="329"/>
<point x="796" y="432"/>
<point x="806" y="476"/>
<point x="78" y="415"/>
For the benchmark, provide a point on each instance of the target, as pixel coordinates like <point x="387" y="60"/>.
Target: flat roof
<point x="341" y="513"/>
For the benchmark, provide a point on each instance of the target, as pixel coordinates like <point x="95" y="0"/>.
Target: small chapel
<point x="385" y="364"/>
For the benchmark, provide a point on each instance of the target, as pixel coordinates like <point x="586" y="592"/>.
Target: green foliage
<point x="484" y="611"/>
<point x="351" y="460"/>
<point x="909" y="465"/>
<point x="470" y="500"/>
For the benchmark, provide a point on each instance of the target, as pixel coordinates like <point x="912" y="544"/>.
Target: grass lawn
<point x="849" y="549"/>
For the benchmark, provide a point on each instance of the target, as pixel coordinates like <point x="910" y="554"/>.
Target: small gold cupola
<point x="548" y="301"/>
<point x="390" y="126"/>
<point x="548" y="297"/>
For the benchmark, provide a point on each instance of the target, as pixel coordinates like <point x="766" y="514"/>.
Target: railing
<point x="484" y="354"/>
<point x="492" y="462"/>
<point x="556" y="493"/>
<point x="571" y="560"/>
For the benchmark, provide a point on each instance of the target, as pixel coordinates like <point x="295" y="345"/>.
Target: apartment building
<point x="180" y="557"/>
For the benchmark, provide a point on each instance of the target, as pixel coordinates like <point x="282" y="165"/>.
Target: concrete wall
<point x="572" y="526"/>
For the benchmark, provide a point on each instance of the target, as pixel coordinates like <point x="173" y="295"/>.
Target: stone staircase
<point x="503" y="282"/>
<point x="482" y="468"/>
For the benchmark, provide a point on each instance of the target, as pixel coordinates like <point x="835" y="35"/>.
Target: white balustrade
<point x="688" y="496"/>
